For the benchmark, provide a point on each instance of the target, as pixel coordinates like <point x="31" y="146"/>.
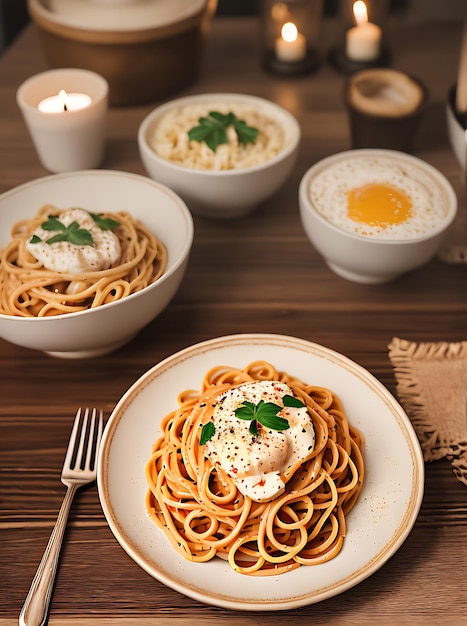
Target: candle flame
<point x="289" y="32"/>
<point x="62" y="94"/>
<point x="360" y="12"/>
<point x="64" y="101"/>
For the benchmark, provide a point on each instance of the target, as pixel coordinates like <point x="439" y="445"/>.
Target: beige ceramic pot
<point x="145" y="49"/>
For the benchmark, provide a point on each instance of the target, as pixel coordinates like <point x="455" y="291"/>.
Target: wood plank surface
<point x="257" y="274"/>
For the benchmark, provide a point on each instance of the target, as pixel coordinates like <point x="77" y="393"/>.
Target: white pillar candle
<point x="70" y="137"/>
<point x="290" y="47"/>
<point x="363" y="41"/>
<point x="64" y="101"/>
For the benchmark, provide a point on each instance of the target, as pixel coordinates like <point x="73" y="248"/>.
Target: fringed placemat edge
<point x="402" y="353"/>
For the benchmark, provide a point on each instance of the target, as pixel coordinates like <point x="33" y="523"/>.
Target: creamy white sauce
<point x="257" y="464"/>
<point x="70" y="258"/>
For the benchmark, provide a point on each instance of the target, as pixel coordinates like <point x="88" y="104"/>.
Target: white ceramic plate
<point x="378" y="525"/>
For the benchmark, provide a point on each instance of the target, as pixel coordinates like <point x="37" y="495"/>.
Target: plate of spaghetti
<point x="259" y="472"/>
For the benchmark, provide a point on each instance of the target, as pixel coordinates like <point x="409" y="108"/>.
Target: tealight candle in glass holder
<point x="361" y="42"/>
<point x="290" y="35"/>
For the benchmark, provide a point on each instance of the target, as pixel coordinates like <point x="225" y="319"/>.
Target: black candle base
<point x="293" y="68"/>
<point x="340" y="61"/>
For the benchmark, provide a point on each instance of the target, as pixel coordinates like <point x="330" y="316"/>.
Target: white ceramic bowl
<point x="103" y="329"/>
<point x="369" y="259"/>
<point x="223" y="193"/>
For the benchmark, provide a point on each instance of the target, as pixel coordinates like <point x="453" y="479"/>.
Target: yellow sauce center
<point x="377" y="204"/>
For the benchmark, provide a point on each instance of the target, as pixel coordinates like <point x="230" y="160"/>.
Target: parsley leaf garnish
<point x="253" y="428"/>
<point x="264" y="412"/>
<point x="212" y="130"/>
<point x="246" y="134"/>
<point x="104" y="223"/>
<point x="72" y="233"/>
<point x="207" y="432"/>
<point x="292" y="401"/>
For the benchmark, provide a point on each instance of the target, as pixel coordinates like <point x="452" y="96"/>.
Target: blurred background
<point x="14" y="14"/>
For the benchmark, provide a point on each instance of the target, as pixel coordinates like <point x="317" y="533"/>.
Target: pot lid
<point x="121" y="15"/>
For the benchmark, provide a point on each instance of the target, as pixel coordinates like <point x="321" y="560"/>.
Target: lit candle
<point x="64" y="102"/>
<point x="363" y="41"/>
<point x="68" y="129"/>
<point x="290" y="47"/>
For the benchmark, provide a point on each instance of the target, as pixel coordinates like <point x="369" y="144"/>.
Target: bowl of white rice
<point x="375" y="214"/>
<point x="223" y="153"/>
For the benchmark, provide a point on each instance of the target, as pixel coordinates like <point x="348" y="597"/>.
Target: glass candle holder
<point x="361" y="43"/>
<point x="290" y="35"/>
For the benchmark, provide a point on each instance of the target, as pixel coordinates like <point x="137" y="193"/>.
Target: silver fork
<point x="79" y="468"/>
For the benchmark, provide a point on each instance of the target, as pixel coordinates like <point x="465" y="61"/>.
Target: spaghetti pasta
<point x="28" y="289"/>
<point x="204" y="514"/>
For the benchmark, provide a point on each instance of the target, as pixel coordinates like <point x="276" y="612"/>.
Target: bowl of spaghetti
<point x="87" y="259"/>
<point x="223" y="153"/>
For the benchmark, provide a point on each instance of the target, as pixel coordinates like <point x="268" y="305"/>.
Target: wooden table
<point x="267" y="278"/>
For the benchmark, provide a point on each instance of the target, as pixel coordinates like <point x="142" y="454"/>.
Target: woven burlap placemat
<point x="432" y="388"/>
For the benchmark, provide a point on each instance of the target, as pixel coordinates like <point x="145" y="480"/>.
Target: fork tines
<point x="84" y="440"/>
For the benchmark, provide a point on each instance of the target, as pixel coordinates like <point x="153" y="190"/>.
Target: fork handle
<point x="36" y="605"/>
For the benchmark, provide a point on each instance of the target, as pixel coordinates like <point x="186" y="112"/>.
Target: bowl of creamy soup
<point x="375" y="214"/>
